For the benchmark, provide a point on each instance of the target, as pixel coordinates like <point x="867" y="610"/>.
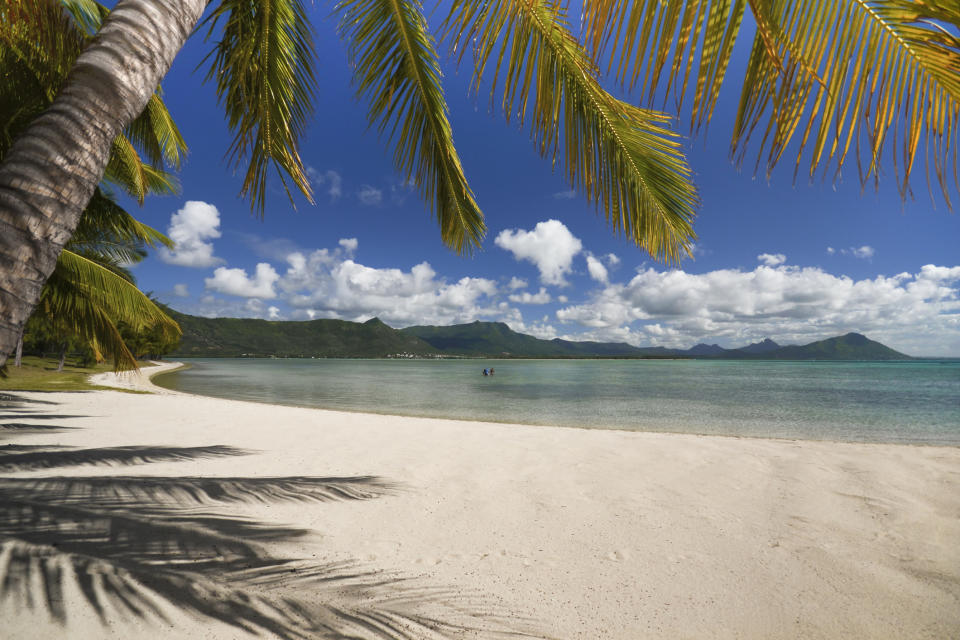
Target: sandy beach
<point x="440" y="528"/>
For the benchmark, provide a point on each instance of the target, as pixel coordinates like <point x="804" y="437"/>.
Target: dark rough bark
<point x="51" y="170"/>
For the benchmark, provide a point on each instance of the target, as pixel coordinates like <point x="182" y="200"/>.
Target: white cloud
<point x="541" y="297"/>
<point x="190" y="229"/>
<point x="235" y="282"/>
<point x="563" y="299"/>
<point x="550" y="246"/>
<point x="612" y="259"/>
<point x="349" y="244"/>
<point x="370" y="195"/>
<point x="596" y="269"/>
<point x="516" y="283"/>
<point x="569" y="194"/>
<point x="864" y="253"/>
<point x="918" y="314"/>
<point x="330" y="178"/>
<point x="329" y="284"/>
<point x="772" y="259"/>
<point x="273" y="313"/>
<point x="181" y="291"/>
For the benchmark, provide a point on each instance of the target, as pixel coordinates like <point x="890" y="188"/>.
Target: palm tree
<point x="840" y="72"/>
<point x="89" y="291"/>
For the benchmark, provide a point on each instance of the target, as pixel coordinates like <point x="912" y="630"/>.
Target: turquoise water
<point x="904" y="402"/>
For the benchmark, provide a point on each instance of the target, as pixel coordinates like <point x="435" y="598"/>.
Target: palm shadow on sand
<point x="135" y="545"/>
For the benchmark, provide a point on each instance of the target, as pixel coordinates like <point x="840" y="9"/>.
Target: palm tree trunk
<point x="18" y="358"/>
<point x="50" y="172"/>
<point x="63" y="357"/>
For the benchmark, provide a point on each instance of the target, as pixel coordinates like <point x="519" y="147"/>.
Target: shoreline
<point x="147" y="385"/>
<point x="576" y="533"/>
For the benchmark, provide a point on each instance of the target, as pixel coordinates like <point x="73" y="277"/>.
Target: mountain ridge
<point x="329" y="338"/>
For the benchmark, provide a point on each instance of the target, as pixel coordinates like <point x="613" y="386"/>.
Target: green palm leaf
<point x="104" y="222"/>
<point x="622" y="157"/>
<point x="397" y="70"/>
<point x="89" y="300"/>
<point x="263" y="66"/>
<point x="831" y="77"/>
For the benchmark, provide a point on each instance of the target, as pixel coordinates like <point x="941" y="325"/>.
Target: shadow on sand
<point x="136" y="545"/>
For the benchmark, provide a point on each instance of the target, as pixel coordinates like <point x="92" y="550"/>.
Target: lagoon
<point x="911" y="402"/>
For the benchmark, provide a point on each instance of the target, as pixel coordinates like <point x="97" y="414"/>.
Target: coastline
<point x="579" y="533"/>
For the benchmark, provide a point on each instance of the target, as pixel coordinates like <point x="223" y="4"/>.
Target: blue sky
<point x="793" y="263"/>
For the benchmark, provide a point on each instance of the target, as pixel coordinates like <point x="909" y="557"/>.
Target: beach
<point x="486" y="528"/>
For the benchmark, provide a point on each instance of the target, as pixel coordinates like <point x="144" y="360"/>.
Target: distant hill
<point x="706" y="350"/>
<point x="764" y="346"/>
<point x="852" y="346"/>
<point x="232" y="337"/>
<point x="497" y="339"/>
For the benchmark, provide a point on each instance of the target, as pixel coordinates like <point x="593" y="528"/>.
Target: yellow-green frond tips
<point x="833" y="81"/>
<point x="263" y="67"/>
<point x="623" y="158"/>
<point x="398" y="72"/>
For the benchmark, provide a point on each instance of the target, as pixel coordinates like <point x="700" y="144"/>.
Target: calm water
<point x="911" y="402"/>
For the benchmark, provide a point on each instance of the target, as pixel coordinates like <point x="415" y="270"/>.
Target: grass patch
<point x="40" y="374"/>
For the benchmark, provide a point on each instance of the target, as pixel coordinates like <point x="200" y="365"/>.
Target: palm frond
<point x="90" y="300"/>
<point x="396" y="68"/>
<point x="622" y="157"/>
<point x="263" y="68"/>
<point x="834" y="78"/>
<point x="157" y="135"/>
<point x="87" y="14"/>
<point x="105" y="220"/>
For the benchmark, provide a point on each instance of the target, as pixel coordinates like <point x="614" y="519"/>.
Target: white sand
<point x="590" y="534"/>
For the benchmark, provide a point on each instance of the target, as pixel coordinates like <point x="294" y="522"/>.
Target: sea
<point x="907" y="402"/>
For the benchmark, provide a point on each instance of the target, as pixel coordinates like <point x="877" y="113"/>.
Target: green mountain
<point x="852" y="346"/>
<point x="231" y="337"/>
<point x="495" y="339"/>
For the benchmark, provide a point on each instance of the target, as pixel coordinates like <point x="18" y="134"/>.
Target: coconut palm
<point x="838" y="72"/>
<point x="89" y="291"/>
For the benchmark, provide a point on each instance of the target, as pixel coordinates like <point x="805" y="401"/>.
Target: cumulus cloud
<point x="772" y="259"/>
<point x="516" y="283"/>
<point x="181" y="291"/>
<point x="612" y="259"/>
<point x="596" y="269"/>
<point x="541" y="297"/>
<point x="550" y="246"/>
<point x="370" y="195"/>
<point x="191" y="228"/>
<point x="790" y="304"/>
<point x="235" y="282"/>
<point x="331" y="284"/>
<point x="349" y="244"/>
<point x="329" y="178"/>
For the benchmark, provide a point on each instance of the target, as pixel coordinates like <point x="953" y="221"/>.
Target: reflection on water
<point x="911" y="402"/>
